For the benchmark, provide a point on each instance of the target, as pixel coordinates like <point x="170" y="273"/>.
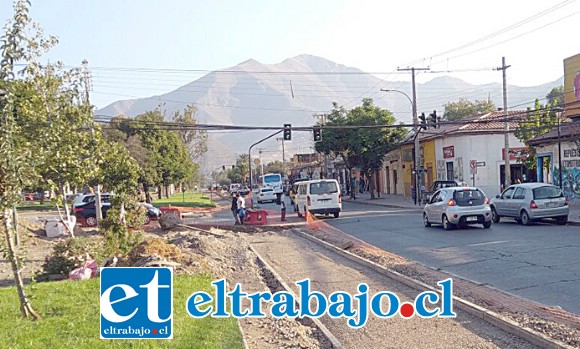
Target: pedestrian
<point x="241" y="207"/>
<point x="283" y="207"/>
<point x="235" y="208"/>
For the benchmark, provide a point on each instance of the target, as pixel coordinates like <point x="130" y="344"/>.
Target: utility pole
<point x="506" y="152"/>
<point x="87" y="78"/>
<point x="418" y="174"/>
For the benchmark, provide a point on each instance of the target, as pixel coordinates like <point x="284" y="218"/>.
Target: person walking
<point x="234" y="208"/>
<point x="283" y="207"/>
<point x="241" y="208"/>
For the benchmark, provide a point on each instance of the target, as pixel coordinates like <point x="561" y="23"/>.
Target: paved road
<point x="539" y="262"/>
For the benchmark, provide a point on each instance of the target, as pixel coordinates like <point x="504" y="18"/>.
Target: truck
<point x="436" y="186"/>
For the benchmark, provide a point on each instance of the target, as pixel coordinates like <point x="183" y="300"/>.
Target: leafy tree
<point x="196" y="140"/>
<point x="556" y="96"/>
<point x="537" y="121"/>
<point x="273" y="167"/>
<point x="363" y="147"/>
<point x="464" y="109"/>
<point x="119" y="173"/>
<point x="15" y="151"/>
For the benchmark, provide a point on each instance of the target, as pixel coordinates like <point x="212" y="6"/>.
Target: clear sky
<point x="375" y="36"/>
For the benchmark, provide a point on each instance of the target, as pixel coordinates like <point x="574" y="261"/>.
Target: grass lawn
<point x="35" y="206"/>
<point x="70" y="319"/>
<point x="190" y="199"/>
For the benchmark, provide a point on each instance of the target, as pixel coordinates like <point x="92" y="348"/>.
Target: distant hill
<point x="253" y="93"/>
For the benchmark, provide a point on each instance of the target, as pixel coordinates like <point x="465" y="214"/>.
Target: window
<point x="520" y="194"/>
<point x="435" y="197"/>
<point x="302" y="190"/>
<point x="272" y="179"/>
<point x="547" y="192"/>
<point x="507" y="194"/>
<point x="468" y="197"/>
<point x="323" y="188"/>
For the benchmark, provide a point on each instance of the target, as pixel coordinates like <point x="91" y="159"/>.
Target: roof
<point x="484" y="123"/>
<point x="569" y="131"/>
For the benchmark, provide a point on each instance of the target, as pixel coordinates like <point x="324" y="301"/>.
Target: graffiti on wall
<point x="570" y="182"/>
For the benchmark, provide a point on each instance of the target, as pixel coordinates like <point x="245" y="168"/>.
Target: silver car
<point x="458" y="206"/>
<point x="528" y="202"/>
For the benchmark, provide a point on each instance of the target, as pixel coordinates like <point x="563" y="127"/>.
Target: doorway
<point x="450" y="174"/>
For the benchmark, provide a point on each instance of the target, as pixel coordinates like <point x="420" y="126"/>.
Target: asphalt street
<point x="539" y="262"/>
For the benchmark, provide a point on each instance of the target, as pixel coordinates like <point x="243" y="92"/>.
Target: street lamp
<point x="416" y="141"/>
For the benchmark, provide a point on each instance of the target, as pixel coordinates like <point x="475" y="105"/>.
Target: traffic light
<point x="224" y="167"/>
<point x="423" y="121"/>
<point x="317" y="134"/>
<point x="287" y="132"/>
<point x="233" y="167"/>
<point x="433" y="119"/>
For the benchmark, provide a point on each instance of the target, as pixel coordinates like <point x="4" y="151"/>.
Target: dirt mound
<point x="154" y="249"/>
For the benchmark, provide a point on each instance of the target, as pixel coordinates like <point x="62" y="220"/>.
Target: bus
<point x="271" y="180"/>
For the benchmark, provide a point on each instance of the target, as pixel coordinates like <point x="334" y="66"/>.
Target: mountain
<point x="257" y="94"/>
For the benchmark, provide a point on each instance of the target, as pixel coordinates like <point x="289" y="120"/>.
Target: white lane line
<point x="488" y="243"/>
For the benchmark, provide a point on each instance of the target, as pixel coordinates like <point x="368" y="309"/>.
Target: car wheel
<point x="487" y="225"/>
<point x="446" y="224"/>
<point x="494" y="216"/>
<point x="336" y="214"/>
<point x="91" y="221"/>
<point x="562" y="220"/>
<point x="426" y="220"/>
<point x="525" y="218"/>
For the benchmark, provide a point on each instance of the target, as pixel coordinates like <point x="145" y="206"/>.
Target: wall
<point x="483" y="148"/>
<point x="570" y="164"/>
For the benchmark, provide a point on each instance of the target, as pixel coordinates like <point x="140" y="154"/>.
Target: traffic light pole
<point x="250" y="155"/>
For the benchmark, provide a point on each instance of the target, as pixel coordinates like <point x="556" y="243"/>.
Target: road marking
<point x="488" y="243"/>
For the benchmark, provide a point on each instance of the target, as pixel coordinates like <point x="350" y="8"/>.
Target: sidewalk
<point x="399" y="201"/>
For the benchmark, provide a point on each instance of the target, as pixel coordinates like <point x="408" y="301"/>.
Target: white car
<point x="457" y="206"/>
<point x="321" y="196"/>
<point x="266" y="194"/>
<point x="81" y="199"/>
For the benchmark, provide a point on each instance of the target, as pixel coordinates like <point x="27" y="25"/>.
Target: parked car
<point x="87" y="212"/>
<point x="235" y="187"/>
<point x="28" y="196"/>
<point x="244" y="191"/>
<point x="266" y="194"/>
<point x="457" y="206"/>
<point x="153" y="213"/>
<point x="321" y="196"/>
<point x="528" y="202"/>
<point x="436" y="186"/>
<point x="81" y="199"/>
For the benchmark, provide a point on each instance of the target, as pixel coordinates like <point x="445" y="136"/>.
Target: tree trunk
<point x="148" y="198"/>
<point x="159" y="193"/>
<point x="25" y="306"/>
<point x="122" y="214"/>
<point x="371" y="182"/>
<point x="16" y="230"/>
<point x="167" y="191"/>
<point x="66" y="220"/>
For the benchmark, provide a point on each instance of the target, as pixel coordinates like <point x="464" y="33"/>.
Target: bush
<point x="73" y="253"/>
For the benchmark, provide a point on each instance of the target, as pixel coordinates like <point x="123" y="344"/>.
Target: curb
<point x="382" y="205"/>
<point x="331" y="338"/>
<point x="491" y="317"/>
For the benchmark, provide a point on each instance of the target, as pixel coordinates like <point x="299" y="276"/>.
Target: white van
<point x="321" y="196"/>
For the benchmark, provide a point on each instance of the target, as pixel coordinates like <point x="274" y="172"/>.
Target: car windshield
<point x="469" y="197"/>
<point x="323" y="188"/>
<point x="547" y="192"/>
<point x="272" y="179"/>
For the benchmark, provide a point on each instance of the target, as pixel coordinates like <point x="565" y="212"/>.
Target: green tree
<point x="15" y="151"/>
<point x="119" y="173"/>
<point x="273" y="167"/>
<point x="464" y="109"/>
<point x="365" y="147"/>
<point x="538" y="121"/>
<point x="195" y="140"/>
<point x="556" y="96"/>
